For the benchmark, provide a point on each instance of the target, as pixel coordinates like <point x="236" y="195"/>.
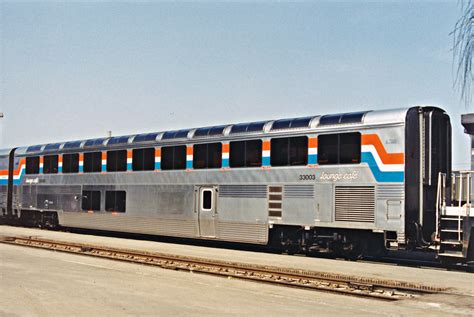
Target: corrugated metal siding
<point x="243" y="232"/>
<point x="123" y="223"/>
<point x="299" y="191"/>
<point x="391" y="192"/>
<point x="244" y="191"/>
<point x="355" y="203"/>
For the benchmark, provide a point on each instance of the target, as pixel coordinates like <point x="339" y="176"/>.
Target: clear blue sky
<point x="75" y="70"/>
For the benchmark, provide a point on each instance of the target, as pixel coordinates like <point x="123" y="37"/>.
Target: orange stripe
<point x="157" y="152"/>
<point x="104" y="155"/>
<point x="41" y="159"/>
<point x="266" y="145"/>
<point x="60" y="158"/>
<point x="387" y="158"/>
<point x="15" y="172"/>
<point x="313" y="142"/>
<point x="81" y="157"/>
<point x="129" y="154"/>
<point x="189" y="150"/>
<point x="225" y="148"/>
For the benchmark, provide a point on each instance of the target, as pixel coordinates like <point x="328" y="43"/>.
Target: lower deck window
<point x="173" y="157"/>
<point x="344" y="148"/>
<point x="117" y="161"/>
<point x="32" y="165"/>
<point x="92" y="162"/>
<point x="289" y="151"/>
<point x="71" y="163"/>
<point x="143" y="159"/>
<point x="115" y="201"/>
<point x="207" y="155"/>
<point x="50" y="164"/>
<point x="91" y="200"/>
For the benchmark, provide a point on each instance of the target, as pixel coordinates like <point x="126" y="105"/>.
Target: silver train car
<point x="352" y="183"/>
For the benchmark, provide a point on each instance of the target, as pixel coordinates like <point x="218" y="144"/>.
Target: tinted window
<point x="289" y="151"/>
<point x="207" y="155"/>
<point x="143" y="159"/>
<point x="246" y="153"/>
<point x="32" y="165"/>
<point x="342" y="148"/>
<point x="207" y="199"/>
<point x="50" y="164"/>
<point x="91" y="200"/>
<point x="117" y="161"/>
<point x="71" y="163"/>
<point x="115" y="201"/>
<point x="92" y="162"/>
<point x="328" y="149"/>
<point x="173" y="157"/>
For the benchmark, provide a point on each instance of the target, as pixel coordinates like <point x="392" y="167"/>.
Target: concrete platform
<point x="40" y="282"/>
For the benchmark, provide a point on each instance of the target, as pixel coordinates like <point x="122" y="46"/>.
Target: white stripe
<point x="383" y="167"/>
<point x="129" y="160"/>
<point x="265" y="153"/>
<point x="104" y="162"/>
<point x="189" y="157"/>
<point x="157" y="159"/>
<point x="312" y="150"/>
<point x="225" y="155"/>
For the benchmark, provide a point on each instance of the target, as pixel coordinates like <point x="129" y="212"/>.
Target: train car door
<point x="207" y="210"/>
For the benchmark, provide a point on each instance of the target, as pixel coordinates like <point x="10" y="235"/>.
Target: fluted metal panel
<point x="355" y="203"/>
<point x="119" y="222"/>
<point x="391" y="192"/>
<point x="299" y="191"/>
<point x="243" y="232"/>
<point x="245" y="191"/>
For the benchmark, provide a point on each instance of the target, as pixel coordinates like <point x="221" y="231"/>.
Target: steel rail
<point x="316" y="280"/>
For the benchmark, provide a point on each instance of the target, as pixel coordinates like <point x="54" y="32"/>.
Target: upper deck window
<point x="71" y="163"/>
<point x="50" y="164"/>
<point x="211" y="131"/>
<point x="117" y="161"/>
<point x="342" y="118"/>
<point x="207" y="155"/>
<point x="146" y="137"/>
<point x="92" y="162"/>
<point x="118" y="140"/>
<point x="173" y="157"/>
<point x="289" y="151"/>
<point x="246" y="153"/>
<point x="32" y="165"/>
<point x="248" y="127"/>
<point x="344" y="148"/>
<point x="179" y="134"/>
<point x="143" y="159"/>
<point x="291" y="123"/>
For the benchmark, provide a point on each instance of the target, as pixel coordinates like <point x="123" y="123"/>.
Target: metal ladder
<point x="450" y="212"/>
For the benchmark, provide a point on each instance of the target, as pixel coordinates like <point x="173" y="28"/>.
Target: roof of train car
<point x="316" y="122"/>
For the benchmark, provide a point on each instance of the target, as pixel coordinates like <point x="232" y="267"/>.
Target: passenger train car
<point x="352" y="183"/>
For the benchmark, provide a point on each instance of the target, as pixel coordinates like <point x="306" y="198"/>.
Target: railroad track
<point x="322" y="281"/>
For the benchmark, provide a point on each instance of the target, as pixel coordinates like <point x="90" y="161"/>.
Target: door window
<point x="206" y="199"/>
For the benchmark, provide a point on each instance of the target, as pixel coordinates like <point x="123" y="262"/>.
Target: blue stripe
<point x="104" y="168"/>
<point x="383" y="177"/>
<point x="312" y="158"/>
<point x="81" y="169"/>
<point x="157" y="165"/>
<point x="189" y="164"/>
<point x="265" y="161"/>
<point x="129" y="167"/>
<point x="225" y="162"/>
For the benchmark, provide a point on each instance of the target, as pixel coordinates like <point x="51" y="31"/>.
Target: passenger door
<point x="207" y="211"/>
